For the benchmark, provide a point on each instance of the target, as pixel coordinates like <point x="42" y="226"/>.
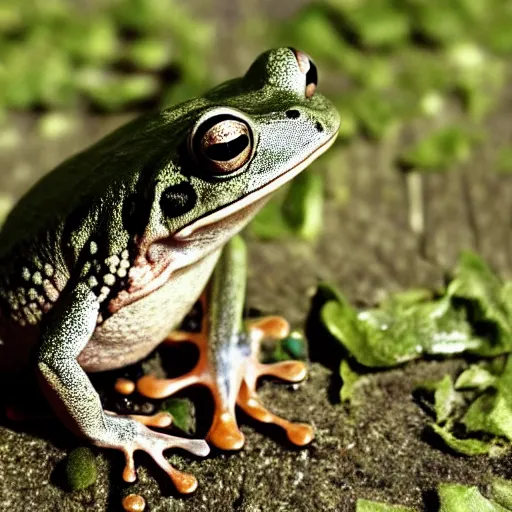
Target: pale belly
<point x="135" y="330"/>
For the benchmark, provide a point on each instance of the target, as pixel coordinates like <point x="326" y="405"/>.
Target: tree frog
<point x="105" y="255"/>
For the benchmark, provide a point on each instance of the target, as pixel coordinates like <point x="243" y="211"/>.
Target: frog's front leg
<point x="74" y="399"/>
<point x="228" y="362"/>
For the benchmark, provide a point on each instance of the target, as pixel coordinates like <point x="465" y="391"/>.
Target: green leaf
<point x="488" y="299"/>
<point x="491" y="412"/>
<point x="462" y="498"/>
<point x="398" y="332"/>
<point x="374" y="506"/>
<point x="446" y="399"/>
<point x="149" y="53"/>
<point x="475" y="377"/>
<point x="501" y="492"/>
<point x="291" y="347"/>
<point x="295" y="345"/>
<point x="182" y="412"/>
<point x="463" y="446"/>
<point x="379" y="116"/>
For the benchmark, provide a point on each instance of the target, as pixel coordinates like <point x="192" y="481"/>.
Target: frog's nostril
<point x="292" y="114"/>
<point x="319" y="127"/>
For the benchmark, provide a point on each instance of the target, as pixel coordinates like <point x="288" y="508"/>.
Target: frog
<point x="103" y="257"/>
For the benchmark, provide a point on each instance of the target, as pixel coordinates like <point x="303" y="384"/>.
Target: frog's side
<point x="107" y="253"/>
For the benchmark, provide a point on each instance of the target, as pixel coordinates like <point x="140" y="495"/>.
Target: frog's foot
<point x="224" y="432"/>
<point x="292" y="371"/>
<point x="139" y="437"/>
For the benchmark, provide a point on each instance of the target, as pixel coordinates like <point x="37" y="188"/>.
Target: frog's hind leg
<point x="224" y="432"/>
<point x="228" y="362"/>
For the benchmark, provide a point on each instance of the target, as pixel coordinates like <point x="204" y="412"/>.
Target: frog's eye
<point x="307" y="66"/>
<point x="223" y="143"/>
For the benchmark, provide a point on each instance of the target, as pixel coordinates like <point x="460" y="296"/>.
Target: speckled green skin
<point x="93" y="262"/>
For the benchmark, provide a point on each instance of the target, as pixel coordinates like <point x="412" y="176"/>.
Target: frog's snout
<point x="307" y="66"/>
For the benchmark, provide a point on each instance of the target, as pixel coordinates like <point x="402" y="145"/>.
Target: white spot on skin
<point x="112" y="261"/>
<point x="105" y="290"/>
<point x="121" y="273"/>
<point x="31" y="319"/>
<point x="125" y="254"/>
<point x="125" y="264"/>
<point x="93" y="282"/>
<point x="50" y="291"/>
<point x="25" y="273"/>
<point x="21" y="296"/>
<point x="37" y="278"/>
<point x="48" y="270"/>
<point x="32" y="294"/>
<point x="93" y="247"/>
<point x="109" y="279"/>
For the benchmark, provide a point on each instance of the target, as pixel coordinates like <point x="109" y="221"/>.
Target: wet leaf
<point x="399" y="332"/>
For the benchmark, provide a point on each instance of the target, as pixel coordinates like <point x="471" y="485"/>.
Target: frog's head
<point x="244" y="139"/>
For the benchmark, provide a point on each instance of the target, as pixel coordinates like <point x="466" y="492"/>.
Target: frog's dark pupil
<point x="312" y="74"/>
<point x="227" y="150"/>
<point x="178" y="199"/>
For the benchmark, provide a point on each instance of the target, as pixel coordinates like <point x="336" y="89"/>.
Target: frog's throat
<point x="253" y="197"/>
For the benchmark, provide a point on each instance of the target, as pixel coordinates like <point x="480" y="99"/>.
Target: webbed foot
<point x="239" y="387"/>
<point x="136" y="436"/>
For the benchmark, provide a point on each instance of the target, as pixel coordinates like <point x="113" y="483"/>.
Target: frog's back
<point x="83" y="179"/>
<point x="43" y="238"/>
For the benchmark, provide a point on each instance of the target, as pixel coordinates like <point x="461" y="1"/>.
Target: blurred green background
<point x="425" y="71"/>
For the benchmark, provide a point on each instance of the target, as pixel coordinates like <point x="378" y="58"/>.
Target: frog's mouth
<point x="253" y="201"/>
